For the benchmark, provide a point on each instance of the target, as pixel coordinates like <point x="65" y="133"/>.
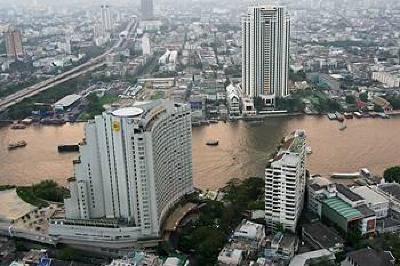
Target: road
<point x="89" y="66"/>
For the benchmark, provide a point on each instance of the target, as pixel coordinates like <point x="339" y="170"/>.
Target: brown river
<point x="243" y="149"/>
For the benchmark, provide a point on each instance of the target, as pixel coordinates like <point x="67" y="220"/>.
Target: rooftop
<point x="366" y="212"/>
<point x="370" y="257"/>
<point x="369" y="195"/>
<point x="302" y="259"/>
<point x="325" y="236"/>
<point x="128" y="112"/>
<point x="343" y="208"/>
<point x="68" y="100"/>
<point x="391" y="189"/>
<point x="345" y="191"/>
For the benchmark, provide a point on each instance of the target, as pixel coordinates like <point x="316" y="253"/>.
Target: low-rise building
<point x="341" y="213"/>
<point x="233" y="97"/>
<point x="375" y="201"/>
<point x="313" y="257"/>
<point x="348" y="196"/>
<point x="282" y="247"/>
<point x="321" y="236"/>
<point x="230" y="257"/>
<point x="368" y="257"/>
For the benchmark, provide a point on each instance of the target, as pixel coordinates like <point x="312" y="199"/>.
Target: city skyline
<point x="199" y="132"/>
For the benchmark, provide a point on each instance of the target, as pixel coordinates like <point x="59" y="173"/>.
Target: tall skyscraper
<point x="147" y="9"/>
<point x="106" y="18"/>
<point x="285" y="180"/>
<point x="13" y="40"/>
<point x="135" y="164"/>
<point x="265" y="52"/>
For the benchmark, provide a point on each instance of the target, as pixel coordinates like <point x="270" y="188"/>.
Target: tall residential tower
<point x="13" y="40"/>
<point x="285" y="181"/>
<point x="147" y="9"/>
<point x="265" y="52"/>
<point x="106" y="18"/>
<point x="135" y="164"/>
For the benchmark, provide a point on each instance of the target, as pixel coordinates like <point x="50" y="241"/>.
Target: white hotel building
<point x="265" y="52"/>
<point x="285" y="180"/>
<point x="135" y="164"/>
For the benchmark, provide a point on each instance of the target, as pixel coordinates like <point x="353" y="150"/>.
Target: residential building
<point x="282" y="247"/>
<point x="135" y="164"/>
<point x="285" y="180"/>
<point x="230" y="257"/>
<point x="389" y="79"/>
<point x="106" y="18"/>
<point x="147" y="9"/>
<point x="13" y="40"/>
<point x="265" y="52"/>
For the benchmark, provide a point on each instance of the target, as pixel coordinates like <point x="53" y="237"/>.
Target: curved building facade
<point x="135" y="164"/>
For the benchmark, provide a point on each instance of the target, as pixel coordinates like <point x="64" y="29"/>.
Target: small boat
<point x="213" y="121"/>
<point x="342" y="126"/>
<point x="68" y="148"/>
<point x="357" y="114"/>
<point x="366" y="115"/>
<point x="373" y="114"/>
<point x="383" y="116"/>
<point x="18" y="126"/>
<point x="331" y="116"/>
<point x="19" y="144"/>
<point x="212" y="143"/>
<point x="308" y="150"/>
<point x="348" y="115"/>
<point x="339" y="117"/>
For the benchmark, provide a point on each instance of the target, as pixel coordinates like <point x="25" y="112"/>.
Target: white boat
<point x="331" y="116"/>
<point x="308" y="150"/>
<point x="357" y="114"/>
<point x="342" y="126"/>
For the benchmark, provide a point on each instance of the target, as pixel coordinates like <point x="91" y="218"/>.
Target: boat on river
<point x="339" y="117"/>
<point x="18" y="126"/>
<point x="342" y="126"/>
<point x="19" y="144"/>
<point x="331" y="116"/>
<point x="357" y="114"/>
<point x="212" y="142"/>
<point x="348" y="115"/>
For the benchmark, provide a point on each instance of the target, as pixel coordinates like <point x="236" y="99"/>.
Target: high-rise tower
<point x="135" y="164"/>
<point x="13" y="40"/>
<point x="147" y="9"/>
<point x="285" y="180"/>
<point x="265" y="52"/>
<point x="106" y="18"/>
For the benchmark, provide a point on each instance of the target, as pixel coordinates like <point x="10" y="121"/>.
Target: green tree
<point x="392" y="174"/>
<point x="395" y="102"/>
<point x="350" y="99"/>
<point x="364" y="97"/>
<point x="259" y="103"/>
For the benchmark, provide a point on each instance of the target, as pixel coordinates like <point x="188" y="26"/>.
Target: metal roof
<point x="343" y="209"/>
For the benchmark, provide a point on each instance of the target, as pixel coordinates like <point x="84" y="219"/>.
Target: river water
<point x="243" y="149"/>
